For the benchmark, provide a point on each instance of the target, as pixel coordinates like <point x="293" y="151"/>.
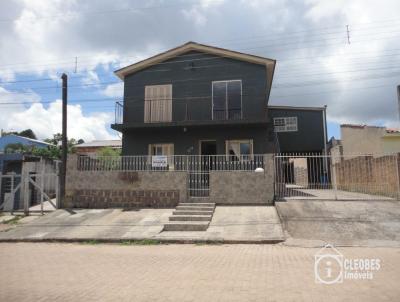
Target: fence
<point x="171" y="163"/>
<point x="37" y="184"/>
<point x="318" y="176"/>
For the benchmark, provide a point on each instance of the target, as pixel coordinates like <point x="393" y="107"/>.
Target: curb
<point x="139" y="240"/>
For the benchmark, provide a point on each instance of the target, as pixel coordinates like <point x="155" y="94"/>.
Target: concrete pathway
<point x="329" y="194"/>
<point x="229" y="224"/>
<point x="80" y="272"/>
<point x="349" y="223"/>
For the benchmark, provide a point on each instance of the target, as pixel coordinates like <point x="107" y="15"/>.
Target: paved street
<point x="79" y="272"/>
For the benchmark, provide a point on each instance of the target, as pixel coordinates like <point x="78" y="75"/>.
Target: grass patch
<point x="13" y="220"/>
<point x="91" y="242"/>
<point x="141" y="242"/>
<point x="201" y="243"/>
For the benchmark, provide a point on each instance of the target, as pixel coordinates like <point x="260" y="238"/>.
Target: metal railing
<point x="337" y="176"/>
<point x="176" y="110"/>
<point x="119" y="113"/>
<point x="171" y="163"/>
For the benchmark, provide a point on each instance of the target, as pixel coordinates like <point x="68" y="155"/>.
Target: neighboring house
<point x="363" y="139"/>
<point x="92" y="147"/>
<point x="203" y="100"/>
<point x="300" y="130"/>
<point x="16" y="139"/>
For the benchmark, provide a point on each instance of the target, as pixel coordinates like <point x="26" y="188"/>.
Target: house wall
<point x="310" y="135"/>
<point x="391" y="143"/>
<point x="243" y="187"/>
<point x="192" y="78"/>
<point x="108" y="189"/>
<point x="135" y="142"/>
<point x="362" y="139"/>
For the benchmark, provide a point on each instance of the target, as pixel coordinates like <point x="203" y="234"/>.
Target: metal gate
<point x="199" y="175"/>
<point x="337" y="177"/>
<point x="28" y="192"/>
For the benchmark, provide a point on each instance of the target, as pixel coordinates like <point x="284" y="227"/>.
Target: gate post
<point x="333" y="172"/>
<point x="25" y="189"/>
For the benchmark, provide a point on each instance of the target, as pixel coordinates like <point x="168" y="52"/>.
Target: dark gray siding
<point x="135" y="142"/>
<point x="310" y="134"/>
<point x="192" y="78"/>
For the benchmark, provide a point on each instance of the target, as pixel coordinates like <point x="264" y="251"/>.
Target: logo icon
<point x="328" y="265"/>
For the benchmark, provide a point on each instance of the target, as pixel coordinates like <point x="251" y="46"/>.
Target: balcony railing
<point x="175" y="110"/>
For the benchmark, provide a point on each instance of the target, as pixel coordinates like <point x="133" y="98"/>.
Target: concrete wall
<point x="243" y="187"/>
<point x="108" y="189"/>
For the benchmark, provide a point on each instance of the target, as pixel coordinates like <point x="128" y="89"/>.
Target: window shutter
<point x="158" y="103"/>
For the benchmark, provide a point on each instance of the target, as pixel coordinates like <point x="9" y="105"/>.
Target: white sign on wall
<point x="159" y="161"/>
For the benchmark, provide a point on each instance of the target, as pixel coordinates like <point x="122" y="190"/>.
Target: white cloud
<point x="46" y="121"/>
<point x="114" y="90"/>
<point x="55" y="32"/>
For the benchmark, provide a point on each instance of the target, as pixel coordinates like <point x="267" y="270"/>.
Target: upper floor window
<point x="285" y="124"/>
<point x="227" y="100"/>
<point x="158" y="103"/>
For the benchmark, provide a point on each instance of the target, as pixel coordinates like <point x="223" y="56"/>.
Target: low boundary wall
<point x="243" y="187"/>
<point x="123" y="189"/>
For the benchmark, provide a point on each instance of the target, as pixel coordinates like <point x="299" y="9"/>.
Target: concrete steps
<point x="186" y="226"/>
<point x="191" y="216"/>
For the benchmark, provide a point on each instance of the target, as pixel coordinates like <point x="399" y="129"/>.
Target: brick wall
<point x="114" y="189"/>
<point x="368" y="174"/>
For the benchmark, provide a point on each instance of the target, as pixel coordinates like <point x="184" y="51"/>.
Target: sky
<point x="319" y="63"/>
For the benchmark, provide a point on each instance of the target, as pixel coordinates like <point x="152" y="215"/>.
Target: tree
<point x="108" y="151"/>
<point x="28" y="133"/>
<point x="15" y="148"/>
<point x="25" y="133"/>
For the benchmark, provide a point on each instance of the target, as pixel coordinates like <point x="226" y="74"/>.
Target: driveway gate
<point x="343" y="177"/>
<point x="22" y="191"/>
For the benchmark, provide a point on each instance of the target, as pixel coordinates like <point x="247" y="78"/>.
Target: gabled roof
<point x="190" y="46"/>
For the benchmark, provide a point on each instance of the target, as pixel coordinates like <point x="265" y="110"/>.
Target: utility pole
<point x="63" y="171"/>
<point x="398" y="98"/>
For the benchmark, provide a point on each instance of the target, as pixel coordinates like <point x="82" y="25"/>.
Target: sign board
<point x="159" y="161"/>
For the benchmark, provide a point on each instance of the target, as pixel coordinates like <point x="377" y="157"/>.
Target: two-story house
<point x="202" y="100"/>
<point x="197" y="100"/>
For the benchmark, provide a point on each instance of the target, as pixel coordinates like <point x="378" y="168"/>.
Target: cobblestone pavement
<point x="79" y="272"/>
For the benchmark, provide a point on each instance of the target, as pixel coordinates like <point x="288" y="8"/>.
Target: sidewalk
<point x="230" y="224"/>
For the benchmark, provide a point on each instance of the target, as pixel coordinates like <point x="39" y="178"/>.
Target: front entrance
<point x="208" y="147"/>
<point x="199" y="173"/>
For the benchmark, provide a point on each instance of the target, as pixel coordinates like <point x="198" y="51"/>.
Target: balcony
<point x="179" y="112"/>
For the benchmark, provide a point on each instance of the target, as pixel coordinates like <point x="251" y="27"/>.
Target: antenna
<point x="76" y="65"/>
<point x="348" y="34"/>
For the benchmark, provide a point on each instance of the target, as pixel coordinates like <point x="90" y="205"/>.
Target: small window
<point x="285" y="124"/>
<point x="227" y="100"/>
<point x="161" y="149"/>
<point x="239" y="149"/>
